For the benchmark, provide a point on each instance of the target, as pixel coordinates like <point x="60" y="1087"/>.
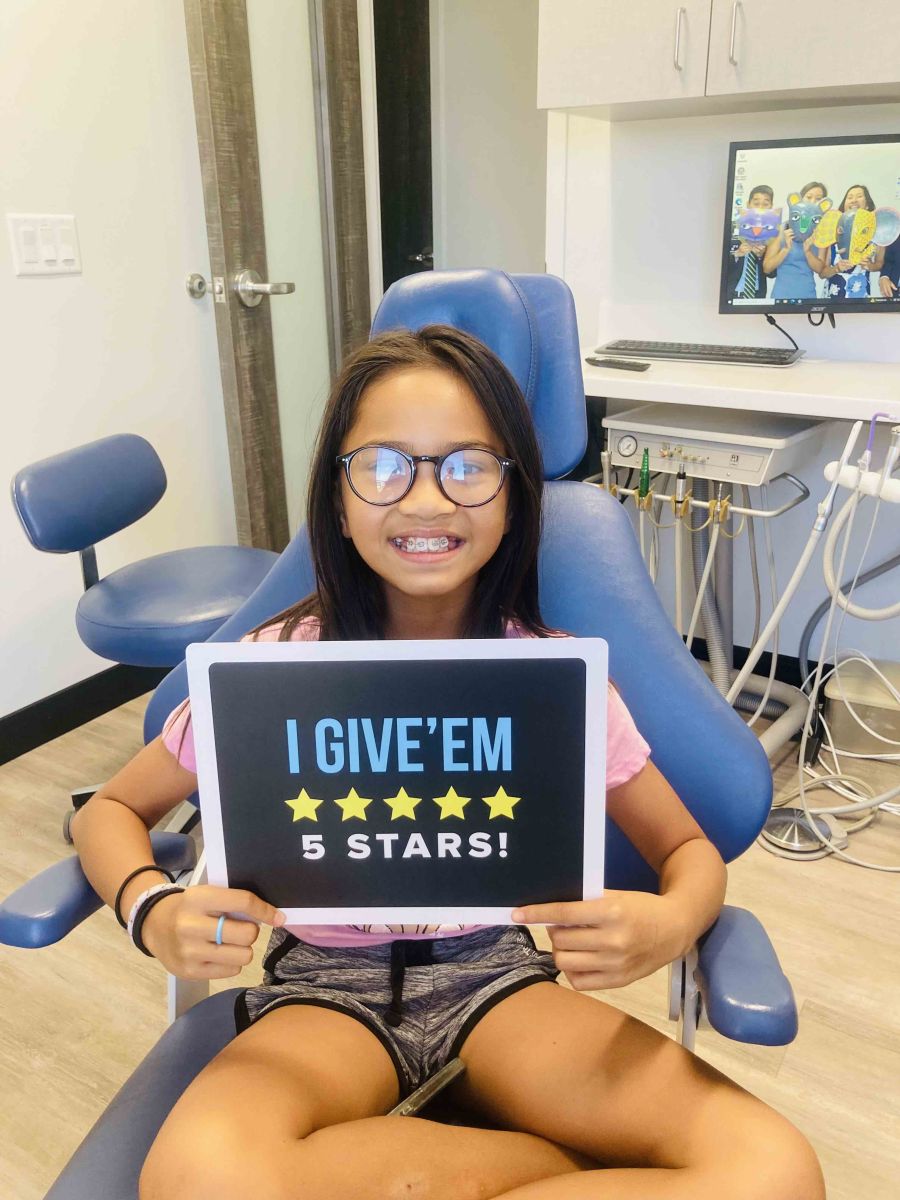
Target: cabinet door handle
<point x="734" y="19"/>
<point x="679" y="17"/>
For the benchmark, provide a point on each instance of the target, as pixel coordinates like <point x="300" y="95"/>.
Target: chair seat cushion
<point x="147" y="613"/>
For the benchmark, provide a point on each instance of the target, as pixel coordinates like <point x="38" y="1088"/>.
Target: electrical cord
<point x="772" y="321"/>
<point x="754" y="565"/>
<point x="773" y="588"/>
<point x="704" y="580"/>
<point x="828" y="846"/>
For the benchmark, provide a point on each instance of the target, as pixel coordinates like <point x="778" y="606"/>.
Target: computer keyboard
<point x="756" y="356"/>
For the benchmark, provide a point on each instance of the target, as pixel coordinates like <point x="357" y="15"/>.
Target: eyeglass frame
<point x="437" y="460"/>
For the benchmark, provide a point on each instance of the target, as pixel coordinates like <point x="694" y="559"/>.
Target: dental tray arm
<point x="49" y="906"/>
<point x="746" y="994"/>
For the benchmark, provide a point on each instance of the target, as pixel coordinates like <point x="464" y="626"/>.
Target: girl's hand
<point x="180" y="931"/>
<point x="612" y="941"/>
<point x="843" y="264"/>
<point x="788" y="238"/>
<point x="887" y="286"/>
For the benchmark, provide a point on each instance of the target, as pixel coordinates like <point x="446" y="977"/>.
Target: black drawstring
<point x="394" y="1014"/>
<point x="404" y="953"/>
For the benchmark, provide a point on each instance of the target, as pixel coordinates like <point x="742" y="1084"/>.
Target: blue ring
<point x="219" y="928"/>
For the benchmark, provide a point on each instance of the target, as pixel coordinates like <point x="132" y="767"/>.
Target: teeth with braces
<point x="418" y="545"/>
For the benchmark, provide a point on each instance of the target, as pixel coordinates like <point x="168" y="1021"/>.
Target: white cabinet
<point x="655" y="58"/>
<point x="770" y="46"/>
<point x="613" y="51"/>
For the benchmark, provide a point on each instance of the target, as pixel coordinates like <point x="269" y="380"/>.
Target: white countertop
<point x="847" y="391"/>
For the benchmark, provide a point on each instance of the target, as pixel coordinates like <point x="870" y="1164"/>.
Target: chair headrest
<point x="529" y="322"/>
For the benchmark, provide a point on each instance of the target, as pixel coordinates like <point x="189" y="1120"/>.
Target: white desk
<point x="847" y="391"/>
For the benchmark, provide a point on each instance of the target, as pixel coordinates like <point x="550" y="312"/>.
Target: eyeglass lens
<point x="382" y="475"/>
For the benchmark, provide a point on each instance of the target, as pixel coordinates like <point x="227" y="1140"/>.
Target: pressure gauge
<point x="627" y="445"/>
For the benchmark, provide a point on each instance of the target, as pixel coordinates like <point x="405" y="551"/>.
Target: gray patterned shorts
<point x="421" y="999"/>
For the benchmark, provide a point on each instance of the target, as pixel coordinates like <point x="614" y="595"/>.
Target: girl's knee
<point x="215" y="1161"/>
<point x="781" y="1165"/>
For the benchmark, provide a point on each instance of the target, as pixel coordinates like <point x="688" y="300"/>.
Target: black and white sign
<point x="350" y="782"/>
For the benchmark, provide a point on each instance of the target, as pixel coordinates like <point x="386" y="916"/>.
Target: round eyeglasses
<point x="468" y="477"/>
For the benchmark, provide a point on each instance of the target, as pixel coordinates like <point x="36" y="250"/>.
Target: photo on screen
<point x="812" y="226"/>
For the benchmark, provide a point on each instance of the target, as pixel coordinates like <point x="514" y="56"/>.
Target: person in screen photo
<point x="747" y="279"/>
<point x="846" y="279"/>
<point x="889" y="279"/>
<point x="796" y="265"/>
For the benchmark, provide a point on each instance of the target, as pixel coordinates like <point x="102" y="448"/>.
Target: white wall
<point x="489" y="142"/>
<point x="97" y="119"/>
<point x="634" y="224"/>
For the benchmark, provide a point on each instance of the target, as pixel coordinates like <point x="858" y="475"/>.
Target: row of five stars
<point x="401" y="805"/>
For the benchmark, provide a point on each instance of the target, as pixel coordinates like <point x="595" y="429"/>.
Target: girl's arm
<point x="624" y="936"/>
<point x="111" y="835"/>
<point x="776" y="253"/>
<point x="111" y="831"/>
<point x="815" y="256"/>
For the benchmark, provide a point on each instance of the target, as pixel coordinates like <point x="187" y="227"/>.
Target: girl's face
<point x="423" y="411"/>
<point x="814" y="194"/>
<point x="856" y="198"/>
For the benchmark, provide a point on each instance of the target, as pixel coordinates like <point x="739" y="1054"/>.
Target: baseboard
<point x="46" y="719"/>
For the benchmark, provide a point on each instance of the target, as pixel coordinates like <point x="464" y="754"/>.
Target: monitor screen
<point x="812" y="226"/>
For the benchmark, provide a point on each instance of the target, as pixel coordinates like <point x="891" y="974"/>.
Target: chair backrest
<point x="77" y="498"/>
<point x="593" y="580"/>
<point x="529" y="322"/>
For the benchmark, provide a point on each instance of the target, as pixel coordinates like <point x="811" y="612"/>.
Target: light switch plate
<point x="44" y="243"/>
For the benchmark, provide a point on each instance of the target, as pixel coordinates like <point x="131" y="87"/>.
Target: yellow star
<point x="403" y="805"/>
<point x="353" y="805"/>
<point x="452" y="805"/>
<point x="500" y="804"/>
<point x="303" y="806"/>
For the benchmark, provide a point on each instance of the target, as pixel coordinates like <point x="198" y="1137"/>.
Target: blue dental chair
<point x="145" y="614"/>
<point x="593" y="583"/>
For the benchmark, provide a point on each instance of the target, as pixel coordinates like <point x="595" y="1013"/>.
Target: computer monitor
<point x="812" y="226"/>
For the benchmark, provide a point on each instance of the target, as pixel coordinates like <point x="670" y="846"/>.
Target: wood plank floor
<point x="76" y="1018"/>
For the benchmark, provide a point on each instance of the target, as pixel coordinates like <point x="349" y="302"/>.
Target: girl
<point x="846" y="278"/>
<point x="795" y="264"/>
<point x="424" y="517"/>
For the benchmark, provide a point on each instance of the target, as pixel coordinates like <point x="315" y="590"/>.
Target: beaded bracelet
<point x="141" y="908"/>
<point x="125" y="882"/>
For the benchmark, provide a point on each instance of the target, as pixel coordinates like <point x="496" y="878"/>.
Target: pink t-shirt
<point x="626" y="754"/>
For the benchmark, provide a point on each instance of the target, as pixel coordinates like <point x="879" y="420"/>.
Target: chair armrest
<point x="746" y="994"/>
<point x="52" y="904"/>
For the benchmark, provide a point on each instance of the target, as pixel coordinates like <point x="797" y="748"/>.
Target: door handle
<point x="425" y="256"/>
<point x="251" y="288"/>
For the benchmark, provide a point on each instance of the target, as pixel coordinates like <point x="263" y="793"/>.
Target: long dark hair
<point x="349" y="599"/>
<point x="870" y="203"/>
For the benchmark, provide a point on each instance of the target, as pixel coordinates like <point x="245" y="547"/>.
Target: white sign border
<point x="592" y="651"/>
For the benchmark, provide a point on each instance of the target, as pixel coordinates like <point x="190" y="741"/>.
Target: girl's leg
<point x="662" y="1123"/>
<point x="288" y="1111"/>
